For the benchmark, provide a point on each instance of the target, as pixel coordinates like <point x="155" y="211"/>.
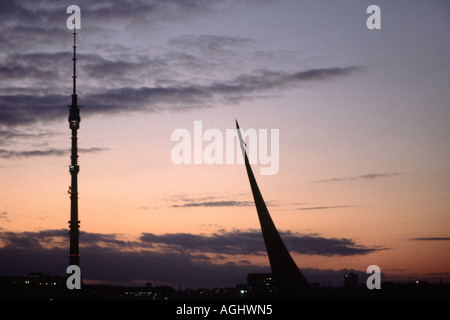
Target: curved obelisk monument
<point x="290" y="282"/>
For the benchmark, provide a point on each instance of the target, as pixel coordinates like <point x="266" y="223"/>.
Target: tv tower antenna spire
<point x="74" y="125"/>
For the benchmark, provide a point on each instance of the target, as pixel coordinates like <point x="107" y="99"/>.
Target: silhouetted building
<point x="289" y="280"/>
<point x="261" y="284"/>
<point x="351" y="281"/>
<point x="36" y="285"/>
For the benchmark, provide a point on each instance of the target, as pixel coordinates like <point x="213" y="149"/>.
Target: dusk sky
<point x="364" y="138"/>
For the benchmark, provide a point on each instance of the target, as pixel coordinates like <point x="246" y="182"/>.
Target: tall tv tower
<point x="74" y="125"/>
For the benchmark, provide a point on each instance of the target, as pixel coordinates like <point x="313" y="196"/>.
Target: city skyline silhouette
<point x="363" y="141"/>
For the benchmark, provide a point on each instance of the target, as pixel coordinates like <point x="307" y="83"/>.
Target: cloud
<point x="102" y="10"/>
<point x="13" y="133"/>
<point x="208" y="43"/>
<point x="250" y="243"/>
<point x="261" y="80"/>
<point x="218" y="243"/>
<point x="378" y="175"/>
<point x="215" y="204"/>
<point x="316" y="245"/>
<point x="183" y="201"/>
<point x="107" y="258"/>
<point x="36" y="65"/>
<point x="4" y="216"/>
<point x="35" y="68"/>
<point x="168" y="258"/>
<point x="8" y="154"/>
<point x="92" y="150"/>
<point x="29" y="26"/>
<point x="370" y="176"/>
<point x="16" y="109"/>
<point x="323" y="208"/>
<point x="30" y="240"/>
<point x="432" y="239"/>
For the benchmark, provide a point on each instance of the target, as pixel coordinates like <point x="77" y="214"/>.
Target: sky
<point x="362" y="116"/>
